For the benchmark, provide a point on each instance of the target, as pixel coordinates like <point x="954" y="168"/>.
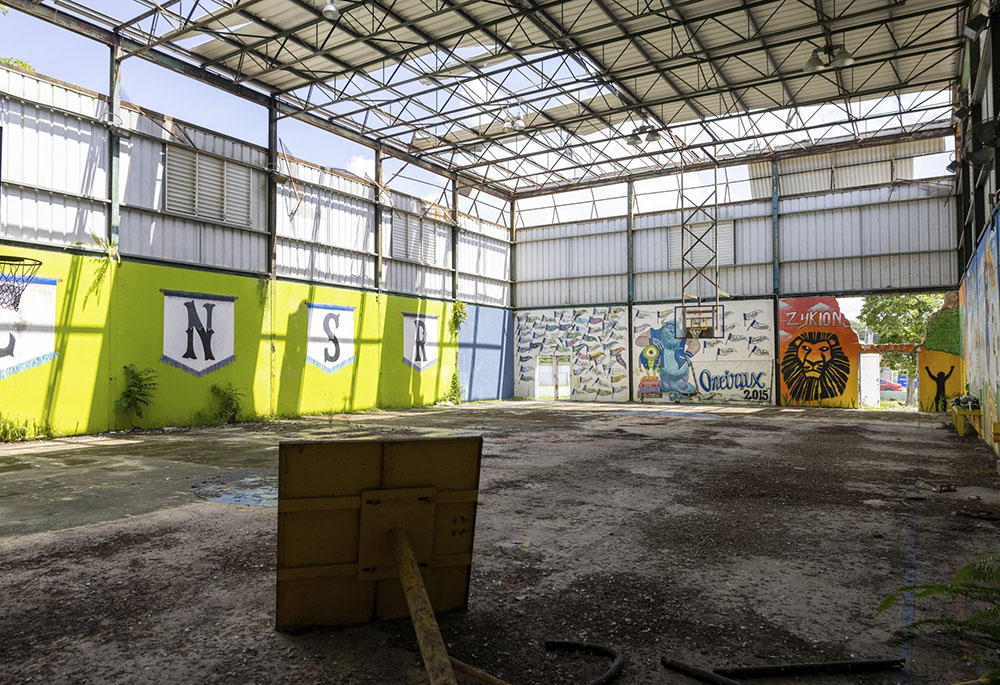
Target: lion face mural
<point x="815" y="367"/>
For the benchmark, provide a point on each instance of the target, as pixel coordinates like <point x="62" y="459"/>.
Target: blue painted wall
<point x="486" y="354"/>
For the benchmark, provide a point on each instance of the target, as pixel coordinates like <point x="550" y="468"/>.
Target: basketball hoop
<point x="15" y="275"/>
<point x="701" y="321"/>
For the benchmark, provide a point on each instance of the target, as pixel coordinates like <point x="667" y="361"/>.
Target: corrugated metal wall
<point x="895" y="236"/>
<point x="55" y="191"/>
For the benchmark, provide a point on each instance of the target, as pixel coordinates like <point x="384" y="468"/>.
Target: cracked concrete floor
<point x="717" y="536"/>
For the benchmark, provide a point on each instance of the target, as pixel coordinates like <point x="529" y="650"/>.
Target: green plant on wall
<point x="110" y="256"/>
<point x="978" y="586"/>
<point x="140" y="385"/>
<point x="228" y="403"/>
<point x="459" y="313"/>
<point x="12" y="430"/>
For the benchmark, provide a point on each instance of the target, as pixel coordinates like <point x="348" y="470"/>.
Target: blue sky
<point x="64" y="55"/>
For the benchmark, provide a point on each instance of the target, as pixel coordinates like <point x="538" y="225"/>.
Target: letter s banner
<point x="330" y="343"/>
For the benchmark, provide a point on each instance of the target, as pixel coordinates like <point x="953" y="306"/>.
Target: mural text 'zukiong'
<point x="819" y="353"/>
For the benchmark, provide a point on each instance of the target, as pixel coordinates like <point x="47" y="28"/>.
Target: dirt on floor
<point x="715" y="536"/>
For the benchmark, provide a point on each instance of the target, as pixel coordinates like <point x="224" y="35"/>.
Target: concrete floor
<point x="718" y="536"/>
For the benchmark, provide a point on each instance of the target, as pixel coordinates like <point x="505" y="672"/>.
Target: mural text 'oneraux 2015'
<point x="198" y="331"/>
<point x="420" y="336"/>
<point x="818" y="352"/>
<point x="330" y="343"/>
<point x="736" y="367"/>
<point x="27" y="336"/>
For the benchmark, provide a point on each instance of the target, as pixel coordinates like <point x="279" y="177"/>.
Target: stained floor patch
<point x="261" y="491"/>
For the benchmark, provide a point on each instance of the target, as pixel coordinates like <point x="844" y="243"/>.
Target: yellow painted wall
<point x="70" y="393"/>
<point x="106" y="322"/>
<point x="938" y="362"/>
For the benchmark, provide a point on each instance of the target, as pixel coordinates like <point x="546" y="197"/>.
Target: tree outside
<point x="13" y="60"/>
<point x="900" y="319"/>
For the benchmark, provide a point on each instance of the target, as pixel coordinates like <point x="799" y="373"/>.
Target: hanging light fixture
<point x="814" y="63"/>
<point x="330" y="11"/>
<point x="953" y="166"/>
<point x="635" y="140"/>
<point x="975" y="26"/>
<point x="653" y="135"/>
<point x="517" y="123"/>
<point x="958" y="116"/>
<point x="982" y="156"/>
<point x="841" y="57"/>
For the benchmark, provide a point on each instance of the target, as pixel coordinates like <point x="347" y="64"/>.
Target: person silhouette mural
<point x="939" y="379"/>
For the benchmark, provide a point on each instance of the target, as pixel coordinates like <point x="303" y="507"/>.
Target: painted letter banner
<point x="27" y="336"/>
<point x="420" y="335"/>
<point x="198" y="331"/>
<point x="330" y="345"/>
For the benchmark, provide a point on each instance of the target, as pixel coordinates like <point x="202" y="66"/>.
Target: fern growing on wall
<point x="228" y="403"/>
<point x="979" y="584"/>
<point x="140" y="386"/>
<point x="459" y="313"/>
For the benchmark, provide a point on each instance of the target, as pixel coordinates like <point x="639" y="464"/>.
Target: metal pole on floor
<point x="432" y="648"/>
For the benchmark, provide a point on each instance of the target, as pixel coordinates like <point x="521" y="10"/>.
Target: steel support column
<point x="272" y="189"/>
<point x="775" y="249"/>
<point x="630" y="241"/>
<point x="115" y="123"/>
<point x="378" y="220"/>
<point x="454" y="238"/>
<point x="513" y="254"/>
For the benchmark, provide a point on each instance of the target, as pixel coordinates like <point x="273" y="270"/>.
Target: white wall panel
<point x="474" y="225"/>
<point x="483" y="256"/>
<point x="753" y="240"/>
<point x="51" y="93"/>
<point x="754" y="279"/>
<point x="326" y="218"/>
<point x="157" y="236"/>
<point x="590" y="255"/>
<point x="565" y="291"/>
<point x="324" y="264"/>
<point x="416" y="279"/>
<point x="142" y="173"/>
<point x="483" y="291"/>
<point x="38" y="216"/>
<point x="329" y="179"/>
<point x="51" y="149"/>
<point x="880" y="272"/>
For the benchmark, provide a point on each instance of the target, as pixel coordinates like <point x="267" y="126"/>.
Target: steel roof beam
<point x="944" y="82"/>
<point x="945" y="46"/>
<point x="652" y="70"/>
<point x="818" y="149"/>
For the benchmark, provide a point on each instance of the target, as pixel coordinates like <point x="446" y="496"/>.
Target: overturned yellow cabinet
<point x="337" y="502"/>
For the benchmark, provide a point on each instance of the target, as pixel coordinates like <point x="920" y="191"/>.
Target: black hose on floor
<point x="617" y="660"/>
<point x="696" y="673"/>
<point x="819" y="667"/>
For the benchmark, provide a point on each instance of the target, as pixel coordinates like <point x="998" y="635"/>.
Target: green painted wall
<point x="109" y="315"/>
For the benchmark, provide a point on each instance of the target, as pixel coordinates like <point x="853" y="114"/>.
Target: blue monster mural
<point x="673" y="362"/>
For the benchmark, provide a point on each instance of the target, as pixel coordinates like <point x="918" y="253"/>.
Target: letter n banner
<point x="198" y="331"/>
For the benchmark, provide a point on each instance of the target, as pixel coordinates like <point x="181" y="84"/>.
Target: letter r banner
<point x="420" y="336"/>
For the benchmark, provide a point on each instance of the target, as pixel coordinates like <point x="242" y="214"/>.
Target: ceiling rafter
<point x="434" y="80"/>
